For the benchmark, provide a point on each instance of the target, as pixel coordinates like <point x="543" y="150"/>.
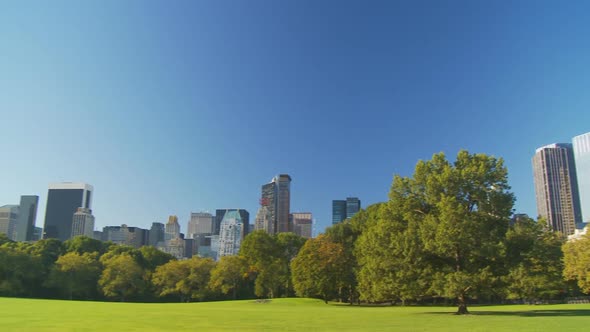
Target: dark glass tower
<point x="338" y="211"/>
<point x="63" y="200"/>
<point x="353" y="205"/>
<point x="25" y="226"/>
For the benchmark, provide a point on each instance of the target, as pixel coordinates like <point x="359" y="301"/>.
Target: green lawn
<point x="281" y="315"/>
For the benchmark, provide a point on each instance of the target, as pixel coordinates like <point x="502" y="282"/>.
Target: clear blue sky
<point x="168" y="107"/>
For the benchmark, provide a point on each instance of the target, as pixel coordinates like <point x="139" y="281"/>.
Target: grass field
<point x="281" y="315"/>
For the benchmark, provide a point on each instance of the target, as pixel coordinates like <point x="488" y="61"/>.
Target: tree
<point x="19" y="272"/>
<point x="263" y="255"/>
<point x="188" y="279"/>
<point x="76" y="275"/>
<point x="83" y="244"/>
<point x="346" y="235"/>
<point x="153" y="257"/>
<point x="229" y="275"/>
<point x="534" y="258"/>
<point x="576" y="258"/>
<point x="289" y="245"/>
<point x="122" y="277"/>
<point x="318" y="269"/>
<point x="453" y="218"/>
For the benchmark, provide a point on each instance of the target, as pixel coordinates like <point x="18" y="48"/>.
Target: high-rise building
<point x="275" y="205"/>
<point x="156" y="234"/>
<point x="200" y="223"/>
<point x="37" y="234"/>
<point x="345" y="209"/>
<point x="353" y="205"/>
<point x="130" y="236"/>
<point x="172" y="228"/>
<point x="244" y="216"/>
<point x="25" y="225"/>
<point x="83" y="223"/>
<point x="8" y="220"/>
<point x="338" y="211"/>
<point x="231" y="233"/>
<point x="63" y="200"/>
<point x="302" y="224"/>
<point x="556" y="187"/>
<point x="582" y="156"/>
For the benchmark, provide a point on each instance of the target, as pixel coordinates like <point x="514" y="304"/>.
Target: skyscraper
<point x="200" y="223"/>
<point x="556" y="187"/>
<point x="582" y="155"/>
<point x="8" y="219"/>
<point x="172" y="228"/>
<point x="275" y="205"/>
<point x="353" y="205"/>
<point x="25" y="225"/>
<point x="302" y="224"/>
<point x="345" y="209"/>
<point x="63" y="200"/>
<point x="156" y="234"/>
<point x="83" y="223"/>
<point x="338" y="211"/>
<point x="244" y="216"/>
<point x="231" y="233"/>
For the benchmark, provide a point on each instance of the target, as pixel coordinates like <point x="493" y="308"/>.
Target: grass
<point x="281" y="315"/>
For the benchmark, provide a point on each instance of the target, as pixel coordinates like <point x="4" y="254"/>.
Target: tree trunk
<point x="462" y="305"/>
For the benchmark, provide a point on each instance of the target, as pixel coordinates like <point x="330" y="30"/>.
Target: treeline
<point x="86" y="269"/>
<point x="444" y="236"/>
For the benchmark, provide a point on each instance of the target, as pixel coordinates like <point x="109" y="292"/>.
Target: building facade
<point x="8" y="219"/>
<point x="83" y="223"/>
<point x="302" y="224"/>
<point x="231" y="234"/>
<point x="244" y="216"/>
<point x="63" y="200"/>
<point x="172" y="228"/>
<point x="25" y="225"/>
<point x="338" y="211"/>
<point x="345" y="209"/>
<point x="200" y="223"/>
<point x="581" y="145"/>
<point x="275" y="205"/>
<point x="156" y="234"/>
<point x="556" y="187"/>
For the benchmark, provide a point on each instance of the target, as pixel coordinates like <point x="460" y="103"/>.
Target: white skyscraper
<point x="582" y="155"/>
<point x="83" y="223"/>
<point x="230" y="234"/>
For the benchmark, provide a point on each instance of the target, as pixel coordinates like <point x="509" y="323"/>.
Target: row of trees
<point x="445" y="234"/>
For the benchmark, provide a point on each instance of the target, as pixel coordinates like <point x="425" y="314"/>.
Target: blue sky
<point x="172" y="107"/>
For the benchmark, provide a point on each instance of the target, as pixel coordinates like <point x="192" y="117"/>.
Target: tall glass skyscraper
<point x="25" y="226"/>
<point x="275" y="202"/>
<point x="556" y="187"/>
<point x="231" y="233"/>
<point x="345" y="209"/>
<point x="582" y="155"/>
<point x="63" y="200"/>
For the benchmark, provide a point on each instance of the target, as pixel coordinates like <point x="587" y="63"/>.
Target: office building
<point x="244" y="216"/>
<point x="200" y="223"/>
<point x="231" y="233"/>
<point x="582" y="157"/>
<point x="8" y="220"/>
<point x="338" y="211"/>
<point x="83" y="223"/>
<point x="63" y="200"/>
<point x="345" y="209"/>
<point x="125" y="235"/>
<point x="25" y="225"/>
<point x="172" y="228"/>
<point x="353" y="205"/>
<point x="302" y="224"/>
<point x="37" y="234"/>
<point x="556" y="187"/>
<point x="275" y="204"/>
<point x="156" y="234"/>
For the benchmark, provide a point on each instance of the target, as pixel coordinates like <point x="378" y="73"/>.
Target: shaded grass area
<point x="281" y="315"/>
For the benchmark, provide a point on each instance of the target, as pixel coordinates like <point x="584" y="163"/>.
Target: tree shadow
<point x="527" y="313"/>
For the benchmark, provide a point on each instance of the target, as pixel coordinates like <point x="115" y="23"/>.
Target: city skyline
<point x="170" y="109"/>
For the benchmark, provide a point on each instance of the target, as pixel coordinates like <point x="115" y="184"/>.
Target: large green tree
<point x="122" y="277"/>
<point x="229" y="275"/>
<point x="263" y="255"/>
<point x="319" y="270"/>
<point x="187" y="279"/>
<point x="76" y="275"/>
<point x="534" y="261"/>
<point x="577" y="262"/>
<point x="453" y="219"/>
